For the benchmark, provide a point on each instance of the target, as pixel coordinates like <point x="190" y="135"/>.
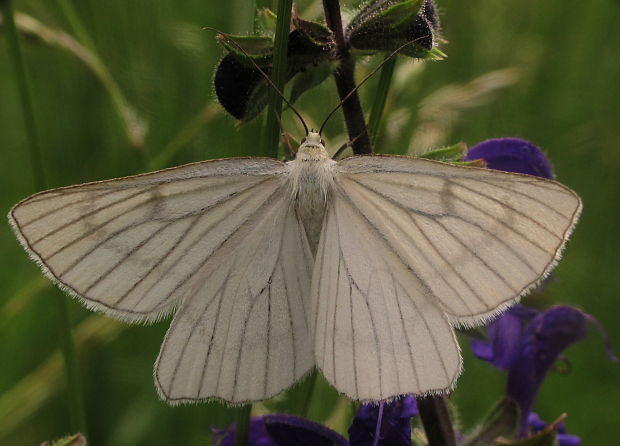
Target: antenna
<point x="365" y="79"/>
<point x="236" y="45"/>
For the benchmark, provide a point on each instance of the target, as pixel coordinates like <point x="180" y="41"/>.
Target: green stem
<point x="243" y="425"/>
<point x="345" y="82"/>
<point x="183" y="137"/>
<point x="309" y="391"/>
<point x="77" y="413"/>
<point x="134" y="126"/>
<point x="76" y="406"/>
<point x="271" y="135"/>
<point x="242" y="21"/>
<point x="24" y="94"/>
<point x="76" y="24"/>
<point x="378" y="104"/>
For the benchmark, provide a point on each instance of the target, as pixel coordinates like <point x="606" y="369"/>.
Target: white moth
<point x="360" y="267"/>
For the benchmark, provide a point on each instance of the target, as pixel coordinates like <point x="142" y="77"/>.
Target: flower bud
<point x="386" y="25"/>
<point x="243" y="90"/>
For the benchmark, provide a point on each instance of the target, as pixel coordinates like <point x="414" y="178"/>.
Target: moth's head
<point x="312" y="148"/>
<point x="312" y="140"/>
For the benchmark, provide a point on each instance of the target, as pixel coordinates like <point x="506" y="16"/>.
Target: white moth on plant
<point x="360" y="267"/>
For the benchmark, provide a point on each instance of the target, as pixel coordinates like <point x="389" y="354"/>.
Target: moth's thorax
<point x="311" y="180"/>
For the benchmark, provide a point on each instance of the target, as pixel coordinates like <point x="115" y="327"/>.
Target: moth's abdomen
<point x="311" y="184"/>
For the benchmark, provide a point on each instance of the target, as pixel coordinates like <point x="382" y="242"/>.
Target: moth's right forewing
<point x="478" y="239"/>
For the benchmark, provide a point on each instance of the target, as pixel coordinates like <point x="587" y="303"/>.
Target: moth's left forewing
<point x="477" y="238"/>
<point x="128" y="246"/>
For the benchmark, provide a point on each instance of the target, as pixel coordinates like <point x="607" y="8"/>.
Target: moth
<point x="361" y="268"/>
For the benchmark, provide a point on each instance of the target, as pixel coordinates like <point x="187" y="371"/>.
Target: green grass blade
<point x="271" y="134"/>
<point x="378" y="103"/>
<point x="76" y="404"/>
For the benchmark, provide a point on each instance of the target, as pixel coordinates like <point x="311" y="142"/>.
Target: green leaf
<point x="315" y="32"/>
<point x="244" y="92"/>
<point x="389" y="24"/>
<point x="454" y="152"/>
<point x="258" y="48"/>
<point x="475" y="163"/>
<point x="71" y="440"/>
<point x="544" y="438"/>
<point x="436" y="54"/>
<point x="266" y="21"/>
<point x="310" y="44"/>
<point x="310" y="78"/>
<point x="400" y="13"/>
<point x="374" y="10"/>
<point x="502" y="421"/>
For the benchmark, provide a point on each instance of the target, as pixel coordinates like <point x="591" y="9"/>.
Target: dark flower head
<point x="384" y="424"/>
<point x="283" y="430"/>
<point x="535" y="425"/>
<point x="512" y="155"/>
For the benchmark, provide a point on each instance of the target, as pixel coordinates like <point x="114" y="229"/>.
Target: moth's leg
<point x="345" y="145"/>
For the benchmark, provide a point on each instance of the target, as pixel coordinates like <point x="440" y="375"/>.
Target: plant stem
<point x="310" y="384"/>
<point x="135" y="126"/>
<point x="24" y="94"/>
<point x="76" y="24"/>
<point x="77" y="413"/>
<point x="345" y="82"/>
<point x="436" y="421"/>
<point x="76" y="406"/>
<point x="184" y="136"/>
<point x="271" y="135"/>
<point x="243" y="425"/>
<point x="378" y="104"/>
<point x="242" y="20"/>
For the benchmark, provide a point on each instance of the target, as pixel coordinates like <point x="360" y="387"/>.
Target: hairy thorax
<point x="311" y="182"/>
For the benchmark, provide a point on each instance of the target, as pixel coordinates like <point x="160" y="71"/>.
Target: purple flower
<point x="536" y="425"/>
<point x="527" y="344"/>
<point x="512" y="155"/>
<point x="541" y="344"/>
<point x="504" y="338"/>
<point x="283" y="430"/>
<point x="384" y="424"/>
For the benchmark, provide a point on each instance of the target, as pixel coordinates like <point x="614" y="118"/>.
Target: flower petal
<point x="536" y="424"/>
<point x="546" y="337"/>
<point x="512" y="155"/>
<point x="287" y="430"/>
<point x="504" y="341"/>
<point x="283" y="430"/>
<point x="394" y="419"/>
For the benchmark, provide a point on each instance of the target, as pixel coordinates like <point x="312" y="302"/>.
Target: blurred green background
<point x="131" y="91"/>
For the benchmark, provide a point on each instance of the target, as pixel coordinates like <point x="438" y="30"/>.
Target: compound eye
<point x="322" y="142"/>
<point x="303" y="140"/>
